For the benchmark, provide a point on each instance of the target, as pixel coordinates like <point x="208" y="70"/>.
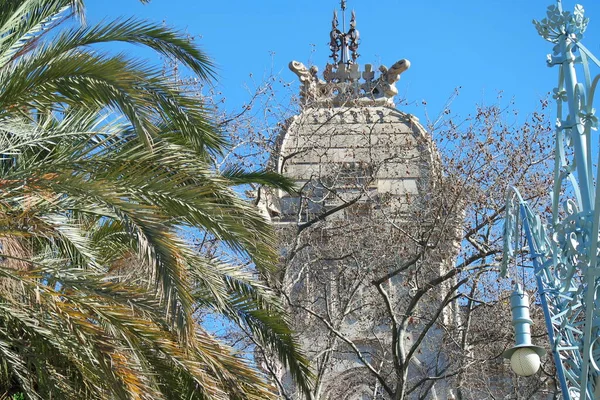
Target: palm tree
<point x="103" y="163"/>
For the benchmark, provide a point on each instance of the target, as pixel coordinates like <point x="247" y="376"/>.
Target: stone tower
<point x="360" y="239"/>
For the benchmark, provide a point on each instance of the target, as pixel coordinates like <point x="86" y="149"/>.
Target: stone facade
<point x="368" y="201"/>
<point x="367" y="174"/>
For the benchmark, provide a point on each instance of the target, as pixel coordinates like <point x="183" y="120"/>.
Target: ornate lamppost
<point x="565" y="251"/>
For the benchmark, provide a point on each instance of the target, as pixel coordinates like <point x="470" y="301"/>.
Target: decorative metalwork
<point x="336" y="39"/>
<point x="353" y="36"/>
<point x="342" y="43"/>
<point x="565" y="253"/>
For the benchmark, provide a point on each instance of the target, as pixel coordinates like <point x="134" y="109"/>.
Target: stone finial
<point x="342" y="84"/>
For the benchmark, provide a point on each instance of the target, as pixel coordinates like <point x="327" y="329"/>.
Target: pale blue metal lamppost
<point x="564" y="252"/>
<point x="524" y="356"/>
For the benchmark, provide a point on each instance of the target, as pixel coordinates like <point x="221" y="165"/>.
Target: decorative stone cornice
<point x="342" y="84"/>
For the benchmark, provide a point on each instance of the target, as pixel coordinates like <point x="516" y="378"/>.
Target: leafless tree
<point x="394" y="293"/>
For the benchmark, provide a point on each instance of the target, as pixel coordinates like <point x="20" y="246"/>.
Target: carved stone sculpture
<point x="342" y="83"/>
<point x="389" y="77"/>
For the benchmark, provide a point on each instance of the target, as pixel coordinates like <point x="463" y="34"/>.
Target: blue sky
<point x="484" y="46"/>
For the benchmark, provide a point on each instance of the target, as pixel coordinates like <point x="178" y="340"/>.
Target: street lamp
<point x="524" y="356"/>
<point x="564" y="252"/>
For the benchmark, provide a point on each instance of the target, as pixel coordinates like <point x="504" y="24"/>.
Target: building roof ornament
<point x="341" y="83"/>
<point x="344" y="45"/>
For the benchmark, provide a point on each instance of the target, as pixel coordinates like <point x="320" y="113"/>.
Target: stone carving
<point x="342" y="85"/>
<point x="341" y="73"/>
<point x="310" y="80"/>
<point x="368" y="75"/>
<point x="390" y="76"/>
<point x="305" y="74"/>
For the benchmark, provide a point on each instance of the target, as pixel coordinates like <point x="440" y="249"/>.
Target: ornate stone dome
<point x="336" y="153"/>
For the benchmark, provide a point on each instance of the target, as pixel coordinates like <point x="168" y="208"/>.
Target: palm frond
<point x="238" y="176"/>
<point x="102" y="162"/>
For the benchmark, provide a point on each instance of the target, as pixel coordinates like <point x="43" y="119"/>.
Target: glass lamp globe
<point x="525" y="362"/>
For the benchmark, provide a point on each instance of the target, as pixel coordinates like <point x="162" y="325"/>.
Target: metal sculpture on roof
<point x="565" y="251"/>
<point x="341" y="44"/>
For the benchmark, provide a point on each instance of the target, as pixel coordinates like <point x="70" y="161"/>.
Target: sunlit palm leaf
<point x="102" y="162"/>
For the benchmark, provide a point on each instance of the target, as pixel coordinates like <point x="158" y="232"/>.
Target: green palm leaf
<point x="102" y="163"/>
